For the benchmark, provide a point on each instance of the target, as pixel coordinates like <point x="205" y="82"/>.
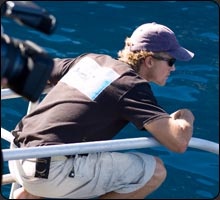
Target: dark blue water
<point x="101" y="27"/>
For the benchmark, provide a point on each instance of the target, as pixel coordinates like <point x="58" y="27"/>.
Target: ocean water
<point x="101" y="27"/>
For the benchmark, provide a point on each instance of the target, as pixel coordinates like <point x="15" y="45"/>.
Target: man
<point x="94" y="97"/>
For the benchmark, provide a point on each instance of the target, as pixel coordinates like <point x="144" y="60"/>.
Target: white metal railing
<point x="98" y="146"/>
<point x="7" y="93"/>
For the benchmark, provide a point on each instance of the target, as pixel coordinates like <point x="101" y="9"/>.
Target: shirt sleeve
<point x="61" y="67"/>
<point x="139" y="106"/>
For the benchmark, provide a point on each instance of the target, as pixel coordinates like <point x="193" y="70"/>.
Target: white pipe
<point x="6" y="135"/>
<point x="98" y="146"/>
<point x="203" y="144"/>
<point x="8" y="94"/>
<point x="32" y="106"/>
<point x="7" y="179"/>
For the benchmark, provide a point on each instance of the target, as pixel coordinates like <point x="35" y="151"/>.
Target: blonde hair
<point x="133" y="58"/>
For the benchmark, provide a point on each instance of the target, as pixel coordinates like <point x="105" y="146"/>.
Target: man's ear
<point x="148" y="61"/>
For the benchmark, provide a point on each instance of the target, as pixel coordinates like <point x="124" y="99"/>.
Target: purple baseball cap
<point x="158" y="38"/>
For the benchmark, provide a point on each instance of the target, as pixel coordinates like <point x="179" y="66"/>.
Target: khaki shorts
<point x="92" y="175"/>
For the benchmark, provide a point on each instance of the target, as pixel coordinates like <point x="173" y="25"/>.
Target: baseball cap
<point x="158" y="38"/>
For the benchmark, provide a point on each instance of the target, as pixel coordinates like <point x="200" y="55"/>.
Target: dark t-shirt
<point x="94" y="97"/>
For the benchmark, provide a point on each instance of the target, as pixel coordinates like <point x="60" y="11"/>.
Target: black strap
<point x="42" y="167"/>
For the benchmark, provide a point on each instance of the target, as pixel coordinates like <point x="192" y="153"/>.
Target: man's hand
<point x="183" y="114"/>
<point x="174" y="132"/>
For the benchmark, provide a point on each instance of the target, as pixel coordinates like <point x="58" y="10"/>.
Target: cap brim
<point x="181" y="54"/>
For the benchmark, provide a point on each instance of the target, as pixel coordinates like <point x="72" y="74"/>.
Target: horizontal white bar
<point x="78" y="148"/>
<point x="6" y="135"/>
<point x="98" y="146"/>
<point x="205" y="145"/>
<point x="8" y="94"/>
<point x="7" y="179"/>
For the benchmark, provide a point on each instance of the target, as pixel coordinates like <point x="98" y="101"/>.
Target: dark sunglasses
<point x="170" y="61"/>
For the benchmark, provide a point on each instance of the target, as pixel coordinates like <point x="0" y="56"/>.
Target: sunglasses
<point x="170" y="61"/>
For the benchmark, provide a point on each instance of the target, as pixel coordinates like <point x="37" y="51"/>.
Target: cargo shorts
<point x="82" y="177"/>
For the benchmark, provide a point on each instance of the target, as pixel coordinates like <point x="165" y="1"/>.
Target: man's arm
<point x="175" y="132"/>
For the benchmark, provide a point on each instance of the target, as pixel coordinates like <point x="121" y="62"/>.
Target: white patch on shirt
<point x="89" y="77"/>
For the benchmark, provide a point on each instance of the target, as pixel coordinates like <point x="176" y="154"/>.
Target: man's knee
<point x="21" y="193"/>
<point x="160" y="172"/>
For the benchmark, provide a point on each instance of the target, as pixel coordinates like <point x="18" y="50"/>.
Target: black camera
<point x="24" y="64"/>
